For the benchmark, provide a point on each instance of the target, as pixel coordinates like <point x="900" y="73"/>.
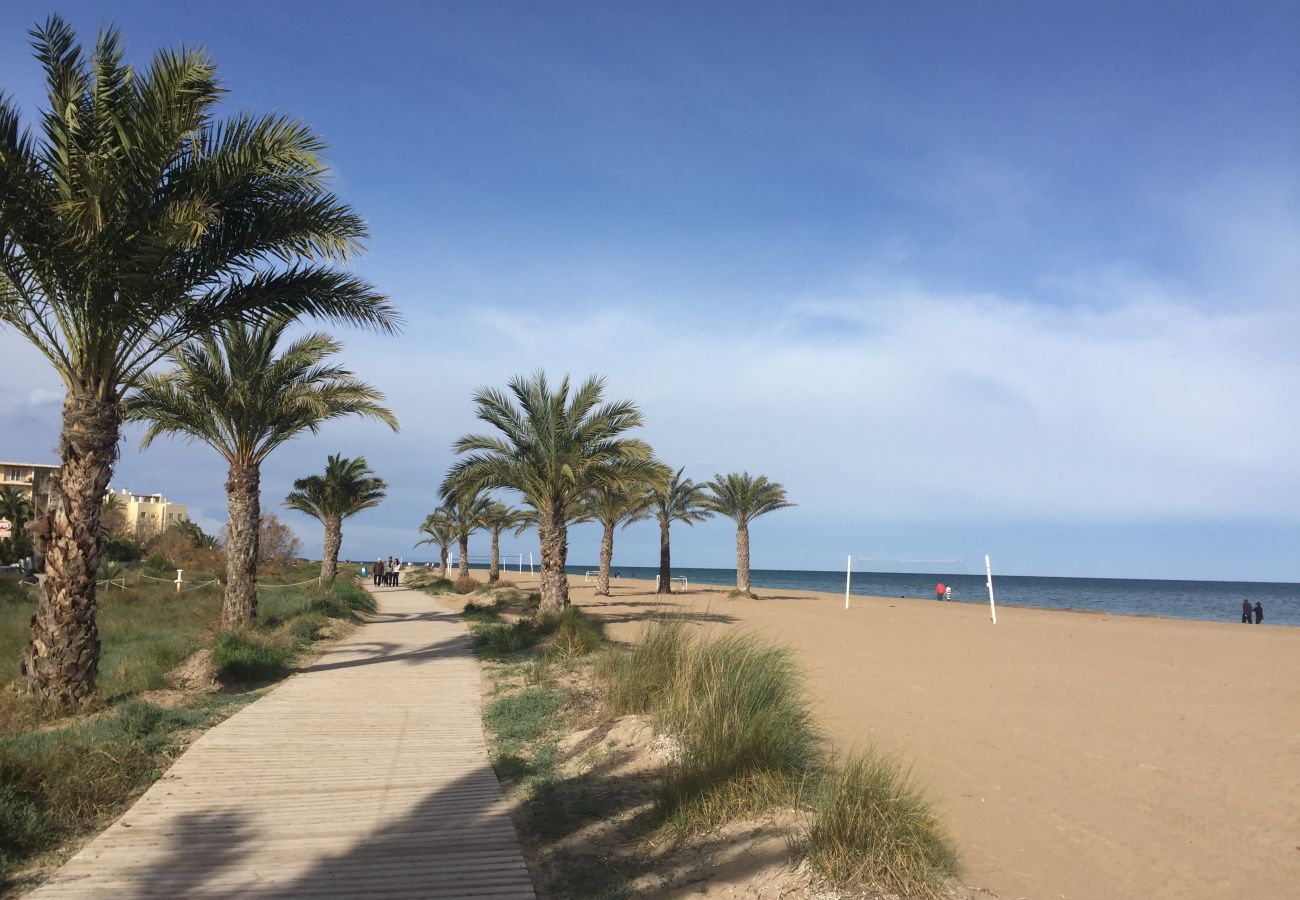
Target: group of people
<point x="1246" y="612"/>
<point x="387" y="573"/>
<point x="942" y="591"/>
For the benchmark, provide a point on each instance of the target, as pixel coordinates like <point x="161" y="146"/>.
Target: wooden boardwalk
<point x="364" y="776"/>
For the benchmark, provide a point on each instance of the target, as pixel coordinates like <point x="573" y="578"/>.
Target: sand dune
<point x="1073" y="755"/>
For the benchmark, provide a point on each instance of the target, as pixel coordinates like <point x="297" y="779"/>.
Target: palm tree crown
<point x="496" y="518"/>
<point x="347" y="487"/>
<point x="613" y="505"/>
<point x="230" y="390"/>
<point x="466" y="510"/>
<point x="742" y="497"/>
<point x="552" y="446"/>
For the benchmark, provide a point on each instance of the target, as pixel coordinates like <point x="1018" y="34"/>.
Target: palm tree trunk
<point x="243" y="506"/>
<point x="464" y="556"/>
<point x="494" y="570"/>
<point x="442" y="560"/>
<point x="329" y="565"/>
<point x="62" y="658"/>
<point x="665" y="559"/>
<point x="553" y="532"/>
<point x="606" y="557"/>
<point x="742" y="557"/>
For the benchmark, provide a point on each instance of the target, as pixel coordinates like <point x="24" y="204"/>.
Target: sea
<point x="1211" y="601"/>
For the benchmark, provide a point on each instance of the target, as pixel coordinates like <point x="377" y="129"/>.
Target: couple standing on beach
<point x="387" y="575"/>
<point x="1246" y="611"/>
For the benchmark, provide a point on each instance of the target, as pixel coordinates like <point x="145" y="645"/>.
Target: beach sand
<point x="1072" y="755"/>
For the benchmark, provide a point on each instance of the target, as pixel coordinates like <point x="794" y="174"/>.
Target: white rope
<point x="261" y="586"/>
<point x="197" y="586"/>
<point x="151" y="578"/>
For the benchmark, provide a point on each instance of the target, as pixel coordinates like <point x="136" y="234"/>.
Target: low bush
<point x="523" y="716"/>
<point x="503" y="583"/>
<point x="499" y="640"/>
<point x="635" y="679"/>
<point x="439" y="586"/>
<point x="158" y="565"/>
<point x="467" y="584"/>
<point x="569" y="633"/>
<point x="250" y="657"/>
<point x="480" y="612"/>
<point x="872" y="824"/>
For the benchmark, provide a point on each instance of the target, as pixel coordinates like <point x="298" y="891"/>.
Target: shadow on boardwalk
<point x="457" y="841"/>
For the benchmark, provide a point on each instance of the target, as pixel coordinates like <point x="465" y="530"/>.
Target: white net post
<point x="988" y="572"/>
<point x="848" y="580"/>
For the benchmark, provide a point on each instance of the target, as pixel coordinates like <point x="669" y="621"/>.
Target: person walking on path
<point x="379" y="572"/>
<point x="1245" y="611"/>
<point x="1259" y="612"/>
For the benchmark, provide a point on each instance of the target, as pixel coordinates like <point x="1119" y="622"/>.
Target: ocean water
<point x="1214" y="601"/>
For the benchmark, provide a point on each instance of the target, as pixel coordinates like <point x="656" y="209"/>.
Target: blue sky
<point x="1006" y="279"/>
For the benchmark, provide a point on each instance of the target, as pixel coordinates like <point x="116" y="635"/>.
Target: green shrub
<point x="479" y="612"/>
<point x="307" y="628"/>
<point x="244" y="657"/>
<point x="523" y="716"/>
<point x="872" y="825"/>
<point x="56" y="783"/>
<point x="498" y="640"/>
<point x="159" y="565"/>
<point x="467" y="584"/>
<point x="439" y="586"/>
<point x="570" y="633"/>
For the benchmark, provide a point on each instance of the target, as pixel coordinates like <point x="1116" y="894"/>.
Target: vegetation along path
<point x="365" y="775"/>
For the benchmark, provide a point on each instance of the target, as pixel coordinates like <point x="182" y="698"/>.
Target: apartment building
<point x="144" y="515"/>
<point x="29" y="479"/>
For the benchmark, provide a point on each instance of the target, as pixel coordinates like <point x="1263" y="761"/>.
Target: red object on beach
<point x="939" y="588"/>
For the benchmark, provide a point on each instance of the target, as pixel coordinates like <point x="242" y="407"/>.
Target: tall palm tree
<point x="347" y="487"/>
<point x="612" y="506"/>
<point x="231" y="391"/>
<point x="438" y="529"/>
<point x="466" y="508"/>
<point x="741" y="497"/>
<point x="496" y="518"/>
<point x="672" y="499"/>
<point x="134" y="221"/>
<point x="552" y="448"/>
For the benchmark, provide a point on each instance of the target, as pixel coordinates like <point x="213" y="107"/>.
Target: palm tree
<point x="133" y="222"/>
<point x="440" y="531"/>
<point x="552" y="448"/>
<point x="496" y="518"/>
<point x="347" y="487"/>
<point x="671" y="500"/>
<point x="466" y="508"/>
<point x="612" y="506"/>
<point x="741" y="497"/>
<point x="232" y="392"/>
<point x="15" y="507"/>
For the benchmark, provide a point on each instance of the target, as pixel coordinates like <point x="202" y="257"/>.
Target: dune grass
<point x="738" y="707"/>
<point x="62" y="775"/>
<point x="872" y="823"/>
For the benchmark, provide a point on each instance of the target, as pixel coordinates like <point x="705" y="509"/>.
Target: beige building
<point x="30" y="479"/>
<point x="145" y="515"/>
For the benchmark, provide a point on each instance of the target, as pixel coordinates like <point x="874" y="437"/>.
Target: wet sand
<point x="1073" y="755"/>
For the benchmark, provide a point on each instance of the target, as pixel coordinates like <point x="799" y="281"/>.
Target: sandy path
<point x="1074" y="755"/>
<point x="364" y="776"/>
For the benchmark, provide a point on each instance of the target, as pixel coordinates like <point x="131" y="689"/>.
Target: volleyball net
<point x="866" y="565"/>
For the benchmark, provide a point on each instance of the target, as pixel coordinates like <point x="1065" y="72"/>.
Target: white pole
<point x="530" y="562"/>
<point x="179" y="573"/>
<point x="848" y="580"/>
<point x="521" y="564"/>
<point x="988" y="571"/>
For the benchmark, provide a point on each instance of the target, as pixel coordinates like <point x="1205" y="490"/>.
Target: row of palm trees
<point x="135" y="227"/>
<point x="569" y="458"/>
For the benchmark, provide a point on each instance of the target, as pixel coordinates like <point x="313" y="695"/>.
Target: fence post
<point x="179" y="573"/>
